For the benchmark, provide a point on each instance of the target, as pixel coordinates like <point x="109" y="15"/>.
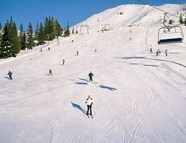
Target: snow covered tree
<point x="30" y="39"/>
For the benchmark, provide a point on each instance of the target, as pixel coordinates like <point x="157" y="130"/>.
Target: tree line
<point x="13" y="41"/>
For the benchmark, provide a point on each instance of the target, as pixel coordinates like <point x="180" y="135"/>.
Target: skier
<point x="10" y="75"/>
<point x="151" y="50"/>
<point x="77" y="53"/>
<point x="90" y="76"/>
<point x="166" y="52"/>
<point x="158" y="52"/>
<point x="89" y="103"/>
<point x="50" y="72"/>
<point x="63" y="61"/>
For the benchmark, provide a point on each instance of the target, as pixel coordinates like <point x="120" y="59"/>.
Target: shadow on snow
<point x="82" y="82"/>
<point x="78" y="107"/>
<point x="107" y="87"/>
<point x="154" y="59"/>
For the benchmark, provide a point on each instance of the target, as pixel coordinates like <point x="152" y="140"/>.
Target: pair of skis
<point x="90" y="116"/>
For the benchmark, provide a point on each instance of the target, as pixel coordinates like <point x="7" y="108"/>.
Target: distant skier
<point x="151" y="50"/>
<point x="157" y="53"/>
<point x="89" y="102"/>
<point x="77" y="53"/>
<point x="90" y="76"/>
<point x="10" y="75"/>
<point x="50" y="72"/>
<point x="63" y="61"/>
<point x="166" y="52"/>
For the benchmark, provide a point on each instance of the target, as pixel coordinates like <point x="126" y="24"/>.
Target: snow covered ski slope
<point x="138" y="97"/>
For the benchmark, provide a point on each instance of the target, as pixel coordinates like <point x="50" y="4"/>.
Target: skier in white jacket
<point x="89" y="102"/>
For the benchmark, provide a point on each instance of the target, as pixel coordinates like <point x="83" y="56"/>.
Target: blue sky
<point x="72" y="11"/>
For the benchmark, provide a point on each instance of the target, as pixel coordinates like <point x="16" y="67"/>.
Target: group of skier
<point x="89" y="100"/>
<point x="159" y="52"/>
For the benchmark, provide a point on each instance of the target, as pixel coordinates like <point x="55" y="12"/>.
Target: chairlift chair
<point x="172" y="34"/>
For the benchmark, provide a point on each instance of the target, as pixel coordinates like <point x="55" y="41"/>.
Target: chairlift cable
<point x="158" y="8"/>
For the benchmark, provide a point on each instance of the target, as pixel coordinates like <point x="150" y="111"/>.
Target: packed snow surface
<point x="138" y="97"/>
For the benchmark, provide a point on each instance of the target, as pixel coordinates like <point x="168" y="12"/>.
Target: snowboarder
<point x="90" y="76"/>
<point x="50" y="72"/>
<point x="166" y="52"/>
<point x="10" y="75"/>
<point x="63" y="61"/>
<point x="89" y="102"/>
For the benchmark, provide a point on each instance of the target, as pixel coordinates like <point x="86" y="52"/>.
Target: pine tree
<point x="5" y="50"/>
<point x="36" y="31"/>
<point x="30" y="39"/>
<point x="46" y="29"/>
<point x="23" y="41"/>
<point x="15" y="40"/>
<point x="10" y="45"/>
<point x="22" y="38"/>
<point x="41" y="36"/>
<point x="51" y="28"/>
<point x="57" y="29"/>
<point x="1" y="34"/>
<point x="67" y="31"/>
<point x="185" y="22"/>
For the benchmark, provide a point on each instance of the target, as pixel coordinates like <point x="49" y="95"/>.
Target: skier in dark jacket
<point x="10" y="75"/>
<point x="90" y="76"/>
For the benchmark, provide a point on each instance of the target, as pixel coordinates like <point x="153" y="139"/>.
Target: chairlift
<point x="170" y="35"/>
